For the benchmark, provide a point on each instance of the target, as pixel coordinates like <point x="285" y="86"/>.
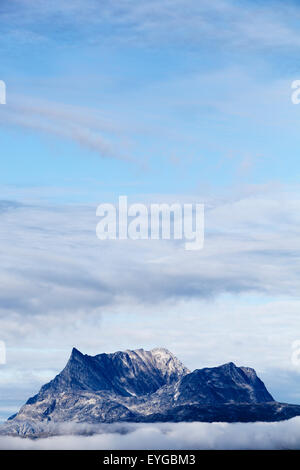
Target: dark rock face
<point x="224" y="384"/>
<point x="146" y="386"/>
<point x="227" y="413"/>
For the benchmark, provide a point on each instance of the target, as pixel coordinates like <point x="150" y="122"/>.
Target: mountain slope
<point x="128" y="373"/>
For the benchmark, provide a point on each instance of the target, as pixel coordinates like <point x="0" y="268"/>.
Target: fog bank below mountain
<point x="281" y="435"/>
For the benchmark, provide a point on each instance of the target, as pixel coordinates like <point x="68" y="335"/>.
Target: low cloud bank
<point x="282" y="435"/>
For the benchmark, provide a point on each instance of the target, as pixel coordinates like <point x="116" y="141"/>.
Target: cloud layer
<point x="57" y="264"/>
<point x="211" y="436"/>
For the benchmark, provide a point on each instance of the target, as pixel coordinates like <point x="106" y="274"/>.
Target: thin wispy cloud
<point x="247" y="23"/>
<point x="83" y="126"/>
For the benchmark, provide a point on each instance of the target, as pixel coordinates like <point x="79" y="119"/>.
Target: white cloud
<point x="57" y="264"/>
<point x="217" y="436"/>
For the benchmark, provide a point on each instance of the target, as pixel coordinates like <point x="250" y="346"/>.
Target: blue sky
<point x="187" y="97"/>
<point x="160" y="101"/>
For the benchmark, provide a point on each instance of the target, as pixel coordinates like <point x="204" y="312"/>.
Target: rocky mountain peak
<point x="127" y="373"/>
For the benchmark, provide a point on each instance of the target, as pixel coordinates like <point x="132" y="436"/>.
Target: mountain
<point x="146" y="386"/>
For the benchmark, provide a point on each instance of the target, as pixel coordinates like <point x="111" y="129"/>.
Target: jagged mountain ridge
<point x="147" y="386"/>
<point x="126" y="373"/>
